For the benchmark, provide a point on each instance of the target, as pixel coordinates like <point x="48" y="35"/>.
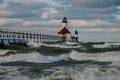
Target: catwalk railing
<point x="28" y="36"/>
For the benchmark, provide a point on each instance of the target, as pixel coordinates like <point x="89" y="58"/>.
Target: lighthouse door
<point x="63" y="38"/>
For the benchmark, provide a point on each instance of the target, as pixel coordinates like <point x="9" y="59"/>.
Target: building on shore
<point x="65" y="35"/>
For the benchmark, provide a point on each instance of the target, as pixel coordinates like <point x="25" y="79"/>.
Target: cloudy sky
<point x="95" y="20"/>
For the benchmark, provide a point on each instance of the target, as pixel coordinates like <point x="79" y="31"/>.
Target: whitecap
<point x="106" y="45"/>
<point x="61" y="45"/>
<point x="33" y="57"/>
<point x="102" y="57"/>
<point x="69" y="73"/>
<point x="3" y="52"/>
<point x="34" y="44"/>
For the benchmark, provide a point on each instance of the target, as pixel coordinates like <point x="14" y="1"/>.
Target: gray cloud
<point x="88" y="16"/>
<point x="96" y="3"/>
<point x="81" y="9"/>
<point x="1" y="1"/>
<point x="23" y="9"/>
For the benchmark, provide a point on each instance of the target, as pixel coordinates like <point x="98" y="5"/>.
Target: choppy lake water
<point x="65" y="61"/>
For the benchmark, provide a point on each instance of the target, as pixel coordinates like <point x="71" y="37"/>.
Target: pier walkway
<point x="28" y="36"/>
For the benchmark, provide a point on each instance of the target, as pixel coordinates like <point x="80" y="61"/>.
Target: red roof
<point x="64" y="31"/>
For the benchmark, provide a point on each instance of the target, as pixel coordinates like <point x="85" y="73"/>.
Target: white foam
<point x="71" y="43"/>
<point x="67" y="74"/>
<point x="106" y="45"/>
<point x="104" y="57"/>
<point x="61" y="45"/>
<point x="3" y="52"/>
<point x="117" y="43"/>
<point x="33" y="57"/>
<point x="91" y="74"/>
<point x="88" y="73"/>
<point x="34" y="45"/>
<point x="24" y="78"/>
<point x="97" y="74"/>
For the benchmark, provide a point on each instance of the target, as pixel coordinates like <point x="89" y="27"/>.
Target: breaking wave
<point x="102" y="57"/>
<point x="88" y="73"/>
<point x="70" y="61"/>
<point x="34" y="45"/>
<point x="61" y="45"/>
<point x="3" y="52"/>
<point x="32" y="57"/>
<point x="37" y="57"/>
<point x="106" y="45"/>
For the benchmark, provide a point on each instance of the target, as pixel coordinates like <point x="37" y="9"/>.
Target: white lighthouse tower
<point x="76" y="35"/>
<point x="64" y="22"/>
